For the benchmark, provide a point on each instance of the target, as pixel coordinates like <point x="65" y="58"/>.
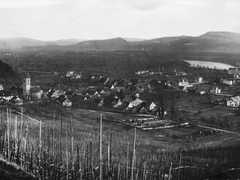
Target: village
<point x="147" y="93"/>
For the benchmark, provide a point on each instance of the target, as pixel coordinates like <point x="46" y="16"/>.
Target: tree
<point x="237" y="112"/>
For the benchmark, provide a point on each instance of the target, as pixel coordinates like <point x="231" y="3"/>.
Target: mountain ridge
<point x="212" y="41"/>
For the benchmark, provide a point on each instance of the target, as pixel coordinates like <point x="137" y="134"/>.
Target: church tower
<point x="26" y="85"/>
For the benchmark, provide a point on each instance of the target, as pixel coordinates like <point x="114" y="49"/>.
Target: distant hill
<point x="133" y="39"/>
<point x="64" y="42"/>
<point x="101" y="45"/>
<point x="19" y="42"/>
<point x="222" y="36"/>
<point x="215" y="41"/>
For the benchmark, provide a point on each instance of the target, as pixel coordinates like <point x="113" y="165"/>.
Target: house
<point x="134" y="103"/>
<point x="120" y="88"/>
<point x="198" y="79"/>
<point x="143" y="110"/>
<point x="16" y="100"/>
<point x="142" y="87"/>
<point x="228" y="81"/>
<point x="64" y="100"/>
<point x="119" y="104"/>
<point x="6" y="95"/>
<point x="234" y="71"/>
<point x="233" y="101"/>
<point x="37" y="95"/>
<point x="96" y="77"/>
<point x="215" y="90"/>
<point x="56" y="94"/>
<point x="105" y="92"/>
<point x="142" y="72"/>
<point x="101" y="103"/>
<point x="89" y="93"/>
<point x="152" y="106"/>
<point x="137" y="95"/>
<point x="183" y="82"/>
<point x="67" y="103"/>
<point x="103" y="80"/>
<point x="112" y="87"/>
<point x="128" y="99"/>
<point x="69" y="73"/>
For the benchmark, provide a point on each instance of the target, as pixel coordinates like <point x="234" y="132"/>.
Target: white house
<point x="56" y="94"/>
<point x="198" y="79"/>
<point x="152" y="106"/>
<point x="234" y="71"/>
<point x="119" y="104"/>
<point x="67" y="103"/>
<point x="228" y="81"/>
<point x="112" y="87"/>
<point x="183" y="82"/>
<point x="134" y="103"/>
<point x="69" y="73"/>
<point x="233" y="101"/>
<point x="215" y="90"/>
<point x="142" y="72"/>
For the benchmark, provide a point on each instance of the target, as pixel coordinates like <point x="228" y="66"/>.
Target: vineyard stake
<point x="100" y="151"/>
<point x="127" y="160"/>
<point x="40" y="146"/>
<point x="133" y="157"/>
<point x="15" y="134"/>
<point x="170" y="170"/>
<point x="67" y="154"/>
<point x="8" y="135"/>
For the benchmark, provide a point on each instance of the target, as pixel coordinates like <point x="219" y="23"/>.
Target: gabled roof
<point x="127" y="98"/>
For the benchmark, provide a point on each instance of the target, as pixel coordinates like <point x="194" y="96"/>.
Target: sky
<point x="104" y="19"/>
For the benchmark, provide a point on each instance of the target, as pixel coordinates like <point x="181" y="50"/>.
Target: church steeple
<point x="26" y="84"/>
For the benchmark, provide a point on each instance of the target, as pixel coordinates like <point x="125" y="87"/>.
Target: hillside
<point x="10" y="171"/>
<point x="217" y="42"/>
<point x="19" y="42"/>
<point x="7" y="74"/>
<point x="101" y="45"/>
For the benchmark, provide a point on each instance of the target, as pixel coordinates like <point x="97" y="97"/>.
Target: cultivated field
<point x="70" y="148"/>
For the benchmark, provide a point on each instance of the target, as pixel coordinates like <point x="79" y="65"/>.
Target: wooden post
<point x="60" y="139"/>
<point x="144" y="170"/>
<point x="180" y="163"/>
<point x="72" y="139"/>
<point x="40" y="147"/>
<point x="119" y="168"/>
<point x="67" y="155"/>
<point x="133" y="158"/>
<point x="127" y="160"/>
<point x="21" y="123"/>
<point x="170" y="171"/>
<point x="108" y="147"/>
<point x="21" y="135"/>
<point x="100" y="150"/>
<point x="8" y="135"/>
<point x="15" y="136"/>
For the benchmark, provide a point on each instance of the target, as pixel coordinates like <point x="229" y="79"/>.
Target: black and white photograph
<point x="119" y="89"/>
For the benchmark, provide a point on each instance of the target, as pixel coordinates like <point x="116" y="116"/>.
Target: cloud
<point x="8" y="4"/>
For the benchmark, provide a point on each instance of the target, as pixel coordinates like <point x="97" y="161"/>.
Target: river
<point x="209" y="64"/>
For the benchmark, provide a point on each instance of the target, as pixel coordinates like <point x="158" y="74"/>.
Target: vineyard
<point x="64" y="147"/>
